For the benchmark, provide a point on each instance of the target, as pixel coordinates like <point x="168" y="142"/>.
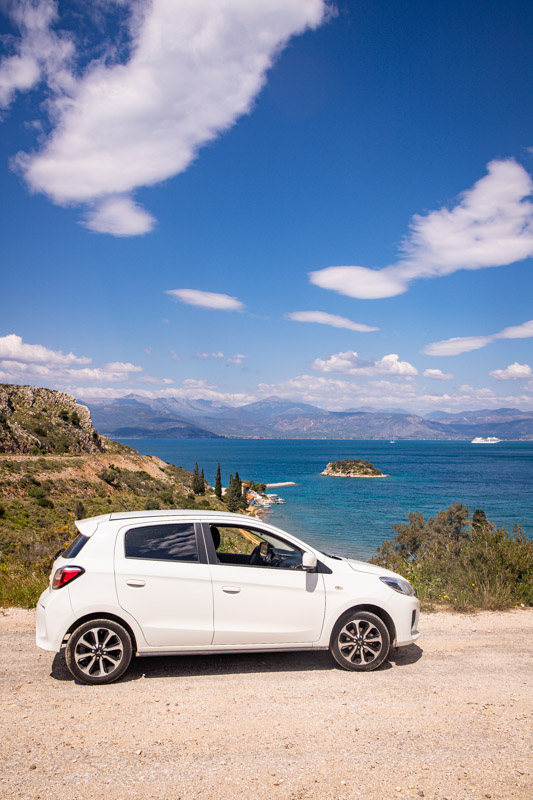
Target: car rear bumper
<point x="53" y="618"/>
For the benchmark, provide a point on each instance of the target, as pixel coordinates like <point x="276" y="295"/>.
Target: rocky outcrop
<point x="34" y="421"/>
<point x="352" y="468"/>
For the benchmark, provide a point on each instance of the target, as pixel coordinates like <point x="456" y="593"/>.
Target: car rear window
<point x="75" y="546"/>
<point x="162" y="542"/>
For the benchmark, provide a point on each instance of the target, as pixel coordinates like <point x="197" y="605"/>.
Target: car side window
<point x="248" y="547"/>
<point x="169" y="542"/>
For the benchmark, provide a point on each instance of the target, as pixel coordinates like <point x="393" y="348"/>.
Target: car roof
<point x="88" y="526"/>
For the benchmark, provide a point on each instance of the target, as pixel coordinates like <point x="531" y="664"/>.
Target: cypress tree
<point x="203" y="481"/>
<point x="197" y="482"/>
<point x="218" y="483"/>
<point x="232" y="495"/>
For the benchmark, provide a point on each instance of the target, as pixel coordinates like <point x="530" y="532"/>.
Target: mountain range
<point x="275" y="418"/>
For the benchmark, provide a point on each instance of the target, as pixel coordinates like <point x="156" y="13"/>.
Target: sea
<point x="352" y="516"/>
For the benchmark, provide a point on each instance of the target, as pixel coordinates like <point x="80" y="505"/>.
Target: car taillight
<point x="66" y="575"/>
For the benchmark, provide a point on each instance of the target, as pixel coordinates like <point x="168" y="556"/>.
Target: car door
<point x="255" y="605"/>
<point x="164" y="582"/>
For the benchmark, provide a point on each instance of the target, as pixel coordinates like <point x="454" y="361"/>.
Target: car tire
<point x="360" y="641"/>
<point x="99" y="651"/>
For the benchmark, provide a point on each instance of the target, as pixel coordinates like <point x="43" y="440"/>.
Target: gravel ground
<point x="450" y="717"/>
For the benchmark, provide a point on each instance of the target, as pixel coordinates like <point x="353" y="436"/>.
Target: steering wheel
<point x="256" y="557"/>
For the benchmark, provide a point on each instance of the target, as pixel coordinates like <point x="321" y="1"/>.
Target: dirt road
<point x="451" y="717"/>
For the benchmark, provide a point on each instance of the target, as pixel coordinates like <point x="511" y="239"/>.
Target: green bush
<point x="167" y="497"/>
<point x="466" y="564"/>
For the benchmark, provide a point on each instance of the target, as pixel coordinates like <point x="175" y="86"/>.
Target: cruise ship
<point x="488" y="440"/>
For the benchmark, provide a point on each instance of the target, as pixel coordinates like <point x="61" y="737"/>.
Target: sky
<point x="230" y="199"/>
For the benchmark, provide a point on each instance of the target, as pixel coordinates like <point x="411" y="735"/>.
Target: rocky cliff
<point x="40" y="421"/>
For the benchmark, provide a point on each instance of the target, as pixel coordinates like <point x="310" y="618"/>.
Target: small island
<point x="353" y="468"/>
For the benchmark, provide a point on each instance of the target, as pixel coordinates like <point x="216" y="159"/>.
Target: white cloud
<point x="119" y="216"/>
<point x="110" y="372"/>
<point x="237" y="359"/>
<point x="195" y="297"/>
<point x="464" y="344"/>
<point x="121" y="366"/>
<point x="514" y="371"/>
<point x="323" y="318"/>
<point x="361" y="282"/>
<point x="457" y="345"/>
<point x="13" y="348"/>
<point x="151" y="379"/>
<point x="491" y="225"/>
<point x="36" y="363"/>
<point x="524" y="331"/>
<point x="351" y="364"/>
<point x="39" y="52"/>
<point x="218" y="355"/>
<point x="194" y="68"/>
<point x="437" y="375"/>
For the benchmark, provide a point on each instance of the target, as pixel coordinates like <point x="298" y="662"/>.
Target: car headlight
<point x="399" y="585"/>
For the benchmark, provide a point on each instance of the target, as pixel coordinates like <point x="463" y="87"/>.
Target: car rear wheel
<point x="99" y="651"/>
<point x="360" y="641"/>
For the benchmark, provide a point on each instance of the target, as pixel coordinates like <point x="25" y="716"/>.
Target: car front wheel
<point x="360" y="641"/>
<point x="99" y="651"/>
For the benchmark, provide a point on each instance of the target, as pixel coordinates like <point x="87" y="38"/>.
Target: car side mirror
<point x="309" y="561"/>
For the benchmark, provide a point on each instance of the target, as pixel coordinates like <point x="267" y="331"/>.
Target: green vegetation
<point x="41" y="497"/>
<point x="235" y="501"/>
<point x="237" y="540"/>
<point x="198" y="480"/>
<point x="218" y="483"/>
<point x="466" y="564"/>
<point x="352" y="467"/>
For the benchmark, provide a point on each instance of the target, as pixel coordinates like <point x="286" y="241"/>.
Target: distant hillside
<point x="39" y="421"/>
<point x="277" y="418"/>
<point x="132" y="419"/>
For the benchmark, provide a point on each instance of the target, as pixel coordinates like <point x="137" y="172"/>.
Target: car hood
<point x="373" y="569"/>
<point x="370" y="569"/>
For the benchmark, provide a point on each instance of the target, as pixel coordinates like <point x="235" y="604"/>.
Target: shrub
<point x="75" y="418"/>
<point x="79" y="510"/>
<point x="109" y="475"/>
<point x="465" y="564"/>
<point x="152" y="504"/>
<point x="167" y="497"/>
<point x="63" y="414"/>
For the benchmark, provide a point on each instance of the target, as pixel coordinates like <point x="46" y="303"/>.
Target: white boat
<point x="275" y="498"/>
<point x="488" y="440"/>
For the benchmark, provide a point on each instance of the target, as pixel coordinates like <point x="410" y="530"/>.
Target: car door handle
<point x="231" y="589"/>
<point x="137" y="583"/>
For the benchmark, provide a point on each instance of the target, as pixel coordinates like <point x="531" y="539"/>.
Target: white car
<point x="175" y="582"/>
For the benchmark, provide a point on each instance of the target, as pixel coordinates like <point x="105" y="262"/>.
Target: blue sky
<point x="342" y="189"/>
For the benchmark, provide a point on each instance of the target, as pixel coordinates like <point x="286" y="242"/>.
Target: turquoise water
<point x="351" y="516"/>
